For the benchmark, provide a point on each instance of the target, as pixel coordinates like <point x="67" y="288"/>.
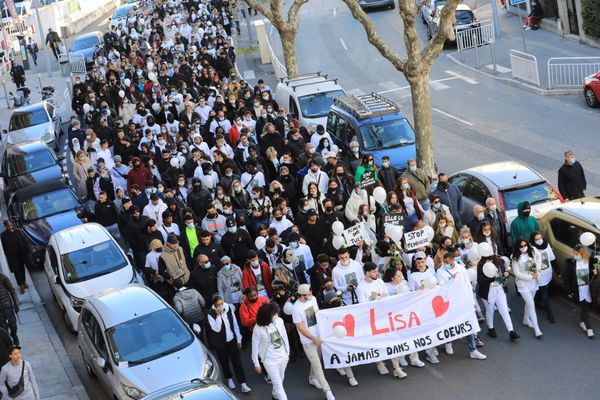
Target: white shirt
<point x="320" y="178"/>
<point x="277" y="346"/>
<point x="281" y="226"/>
<point x="260" y="282"/>
<point x="582" y="272"/>
<point x="165" y="230"/>
<point x="107" y="157"/>
<point x="416" y="278"/>
<point x="155" y="211"/>
<point x="152" y="260"/>
<point x="393" y="290"/>
<point x="371" y="290"/>
<point x="306" y="312"/>
<point x="316" y="138"/>
<point x="546" y="268"/>
<point x="259" y="180"/>
<point x="346" y="275"/>
<point x="217" y="323"/>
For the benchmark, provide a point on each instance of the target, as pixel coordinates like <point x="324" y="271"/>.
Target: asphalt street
<point x="476" y="121"/>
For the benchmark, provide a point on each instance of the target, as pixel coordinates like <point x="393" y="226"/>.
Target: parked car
<point x="82" y="261"/>
<point x="562" y="226"/>
<point x="28" y="163"/>
<point x="136" y="344"/>
<point x="121" y="13"/>
<point x="193" y="390"/>
<point x="509" y="183"/>
<point x="308" y="97"/>
<point x="376" y="123"/>
<point x="370" y="4"/>
<point x="39" y="211"/>
<point x="591" y="90"/>
<point x="87" y="45"/>
<point x="38" y="121"/>
<point x="465" y="19"/>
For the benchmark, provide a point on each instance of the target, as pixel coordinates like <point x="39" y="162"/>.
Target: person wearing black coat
<point x="571" y="178"/>
<point x="9" y="306"/>
<point x="210" y="248"/>
<point x="13" y="244"/>
<point x="203" y="277"/>
<point x="6" y="344"/>
<point x="136" y="224"/>
<point x="236" y="243"/>
<point x="18" y="74"/>
<point x="580" y="274"/>
<point x="198" y="198"/>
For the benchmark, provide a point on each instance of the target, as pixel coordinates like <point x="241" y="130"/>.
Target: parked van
<point x="376" y="123"/>
<point x="308" y="97"/>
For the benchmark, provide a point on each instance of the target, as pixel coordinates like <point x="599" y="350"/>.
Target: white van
<point x="82" y="261"/>
<point x="308" y="97"/>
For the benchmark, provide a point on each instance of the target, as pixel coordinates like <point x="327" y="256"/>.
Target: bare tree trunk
<point x="419" y="89"/>
<point x="288" y="42"/>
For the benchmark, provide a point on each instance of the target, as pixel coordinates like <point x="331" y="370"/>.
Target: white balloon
<point x="174" y="162"/>
<point x="260" y="242"/>
<point x="340" y="331"/>
<point x="181" y="159"/>
<point x="86" y="107"/>
<point x="155" y="107"/>
<point x="587" y="238"/>
<point x="127" y="81"/>
<point x="337" y="227"/>
<point x="121" y="93"/>
<point x="152" y="76"/>
<point x="429" y="232"/>
<point x="395" y="232"/>
<point x="288" y="308"/>
<point x="379" y="194"/>
<point x="472" y="274"/>
<point x="486" y="249"/>
<point x="489" y="269"/>
<point x="430" y="282"/>
<point x="338" y="242"/>
<point x="474" y="256"/>
<point x="150" y="65"/>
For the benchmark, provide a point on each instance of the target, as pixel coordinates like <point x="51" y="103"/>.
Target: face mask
<point x="104" y="175"/>
<point x="385" y="164"/>
<point x="413" y="168"/>
<point x="309" y="297"/>
<point x="355" y="149"/>
<point x="181" y="183"/>
<point x="361" y="192"/>
<point x="539" y="242"/>
<point x="211" y="215"/>
<point x="523" y="249"/>
<point x="294" y="245"/>
<point x="306" y="208"/>
<point x="207" y="265"/>
<point x="480" y="216"/>
<point x="227" y="267"/>
<point x="443" y="185"/>
<point x="149" y="191"/>
<point x="191" y="226"/>
<point x="493" y="208"/>
<point x="365" y="214"/>
<point x="442" y="225"/>
<point x="577" y="258"/>
<point x="279" y="218"/>
<point x="405" y="186"/>
<point x="232" y="229"/>
<point x="254" y="264"/>
<point x="465" y="241"/>
<point x="371" y="163"/>
<point x="324" y="266"/>
<point x="345" y="263"/>
<point x="437" y="206"/>
<point x="572" y="160"/>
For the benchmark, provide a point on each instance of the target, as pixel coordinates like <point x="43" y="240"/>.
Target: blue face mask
<point x="149" y="191"/>
<point x="294" y="245"/>
<point x="447" y="267"/>
<point x="207" y="265"/>
<point x="437" y="206"/>
<point x="413" y="168"/>
<point x="361" y="192"/>
<point x="232" y="229"/>
<point x="191" y="226"/>
<point x="306" y="208"/>
<point x="405" y="186"/>
<point x="227" y="267"/>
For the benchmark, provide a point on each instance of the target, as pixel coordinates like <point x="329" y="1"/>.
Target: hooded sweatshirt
<point x="523" y="226"/>
<point x="229" y="284"/>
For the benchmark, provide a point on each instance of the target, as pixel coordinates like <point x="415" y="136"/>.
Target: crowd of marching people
<point x="227" y="204"/>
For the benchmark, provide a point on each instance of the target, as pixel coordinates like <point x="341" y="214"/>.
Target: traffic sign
<point x="515" y="2"/>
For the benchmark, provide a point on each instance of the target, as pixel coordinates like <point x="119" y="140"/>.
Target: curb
<point x="517" y="83"/>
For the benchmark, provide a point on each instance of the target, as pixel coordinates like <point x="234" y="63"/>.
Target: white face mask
<point x="493" y="207"/>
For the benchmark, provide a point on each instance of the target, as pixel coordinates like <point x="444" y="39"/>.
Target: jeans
<point x="316" y="369"/>
<point x="276" y="372"/>
<point x="543" y="298"/>
<point x="471" y="343"/>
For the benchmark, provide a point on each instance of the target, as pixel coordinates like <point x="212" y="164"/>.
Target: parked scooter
<point x="48" y="94"/>
<point x="21" y="98"/>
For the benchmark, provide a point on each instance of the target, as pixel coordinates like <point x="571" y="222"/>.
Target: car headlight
<point x="76" y="302"/>
<point x="48" y="136"/>
<point x="209" y="368"/>
<point x="133" y="392"/>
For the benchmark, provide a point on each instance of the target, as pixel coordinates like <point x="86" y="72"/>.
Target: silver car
<point x="509" y="183"/>
<point x="136" y="344"/>
<point x="37" y="121"/>
<point x="194" y="390"/>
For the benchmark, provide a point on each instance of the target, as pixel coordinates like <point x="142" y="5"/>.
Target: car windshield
<point x="387" y="134"/>
<point x="122" y="12"/>
<point x="148" y="337"/>
<point x="317" y="105"/>
<point x="25" y="119"/>
<point x="91" y="262"/>
<point x="464" y="17"/>
<point x="48" y="204"/>
<point x="540" y="192"/>
<point x="84" y="43"/>
<point x="22" y="163"/>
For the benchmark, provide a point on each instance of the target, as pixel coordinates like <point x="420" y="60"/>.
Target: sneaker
<point x="398" y="373"/>
<point x="341" y="371"/>
<point x="513" y="336"/>
<point x="329" y="395"/>
<point x="432" y="358"/>
<point x="538" y="334"/>
<point x="403" y="362"/>
<point x="475" y="354"/>
<point x="590" y="333"/>
<point x="230" y="384"/>
<point x="527" y="323"/>
<point x="449" y="349"/>
<point x="582" y="326"/>
<point x="352" y="381"/>
<point x="492" y="333"/>
<point x="417" y="363"/>
<point x="314" y="382"/>
<point x="245" y="388"/>
<point x="382" y="369"/>
<point x="268" y="380"/>
<point x="528" y="28"/>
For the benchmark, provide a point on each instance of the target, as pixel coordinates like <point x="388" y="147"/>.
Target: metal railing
<point x="77" y="64"/>
<point x="524" y="66"/>
<point x="569" y="72"/>
<point x="280" y="71"/>
<point x="479" y="34"/>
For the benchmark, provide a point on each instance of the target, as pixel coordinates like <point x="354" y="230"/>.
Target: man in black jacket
<point x="105" y="213"/>
<point x="571" y="178"/>
<point x="15" y="250"/>
<point x="9" y="306"/>
<point x="198" y="199"/>
<point x="18" y="74"/>
<point x="236" y="242"/>
<point x="210" y="248"/>
<point x="203" y="277"/>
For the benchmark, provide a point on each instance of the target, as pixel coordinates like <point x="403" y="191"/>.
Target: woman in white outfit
<point x="579" y="274"/>
<point x="270" y="343"/>
<point x="525" y="264"/>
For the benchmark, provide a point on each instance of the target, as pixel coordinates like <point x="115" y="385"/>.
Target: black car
<point x="39" y="211"/>
<point x="369" y="4"/>
<point x="26" y="163"/>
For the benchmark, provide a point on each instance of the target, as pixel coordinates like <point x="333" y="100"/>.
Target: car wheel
<point x="88" y="369"/>
<point x="68" y="324"/>
<point x="590" y="98"/>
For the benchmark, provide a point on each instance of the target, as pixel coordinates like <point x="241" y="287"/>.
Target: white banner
<point x="398" y="325"/>
<point x="355" y="234"/>
<point x="415" y="239"/>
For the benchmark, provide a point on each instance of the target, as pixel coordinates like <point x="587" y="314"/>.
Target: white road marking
<point x="432" y="83"/>
<point x="343" y="44"/>
<point x="334" y="11"/>
<point x="393" y="90"/>
<point x="452" y="116"/>
<point x="356" y="92"/>
<point x="270" y="29"/>
<point x="462" y="78"/>
<point x="502" y="69"/>
<point x="437" y="86"/>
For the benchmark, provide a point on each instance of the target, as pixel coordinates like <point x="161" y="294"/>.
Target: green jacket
<point x="419" y="182"/>
<point x="361" y="170"/>
<point x="523" y="226"/>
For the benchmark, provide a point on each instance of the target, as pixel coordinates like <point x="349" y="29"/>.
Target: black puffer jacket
<point x="8" y="297"/>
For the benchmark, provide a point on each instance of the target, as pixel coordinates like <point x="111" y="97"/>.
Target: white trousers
<point x="497" y="297"/>
<point x="316" y="369"/>
<point x="276" y="371"/>
<point x="529" y="312"/>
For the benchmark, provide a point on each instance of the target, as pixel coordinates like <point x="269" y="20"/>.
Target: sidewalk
<point x="54" y="373"/>
<point x="540" y="43"/>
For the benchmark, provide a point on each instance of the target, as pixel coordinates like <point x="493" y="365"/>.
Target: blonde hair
<point x="155" y="244"/>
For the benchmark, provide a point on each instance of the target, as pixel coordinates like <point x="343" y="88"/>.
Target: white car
<point x="308" y="97"/>
<point x="38" y="121"/>
<point x="136" y="344"/>
<point x="82" y="261"/>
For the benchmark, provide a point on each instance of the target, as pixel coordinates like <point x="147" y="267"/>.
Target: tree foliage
<point x="590" y="13"/>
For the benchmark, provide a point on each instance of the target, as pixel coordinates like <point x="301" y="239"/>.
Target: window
<point x="99" y="342"/>
<point x="50" y="109"/>
<point x="340" y="129"/>
<point x="21" y="163"/>
<point x="90" y="262"/>
<point x="317" y="105"/>
<point x="48" y="204"/>
<point x="387" y="135"/>
<point x="52" y="258"/>
<point x="89" y="323"/>
<point x="293" y="107"/>
<point x="476" y="191"/>
<point x="537" y="193"/>
<point x="85" y="43"/>
<point x="25" y="119"/>
<point x="331" y="122"/>
<point x="566" y="232"/>
<point x="459" y="181"/>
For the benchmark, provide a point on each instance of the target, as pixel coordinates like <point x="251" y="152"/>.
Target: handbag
<point x="19" y="388"/>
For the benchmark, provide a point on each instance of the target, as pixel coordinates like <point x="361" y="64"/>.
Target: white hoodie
<point x="155" y="211"/>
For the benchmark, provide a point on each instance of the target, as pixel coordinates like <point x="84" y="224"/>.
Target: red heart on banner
<point x="439" y="306"/>
<point x="348" y="323"/>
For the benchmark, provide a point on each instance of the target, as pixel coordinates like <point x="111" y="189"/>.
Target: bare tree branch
<point x="445" y="31"/>
<point x="408" y="12"/>
<point x="373" y="36"/>
<point x="294" y="11"/>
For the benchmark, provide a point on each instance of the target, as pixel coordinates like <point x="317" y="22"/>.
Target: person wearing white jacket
<point x="270" y="342"/>
<point x="526" y="262"/>
<point x="155" y="208"/>
<point x="357" y="198"/>
<point x="346" y="274"/>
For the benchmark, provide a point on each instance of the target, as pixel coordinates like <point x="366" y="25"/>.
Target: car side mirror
<point x="196" y="328"/>
<point x="60" y="158"/>
<point x="56" y="280"/>
<point x="101" y="362"/>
